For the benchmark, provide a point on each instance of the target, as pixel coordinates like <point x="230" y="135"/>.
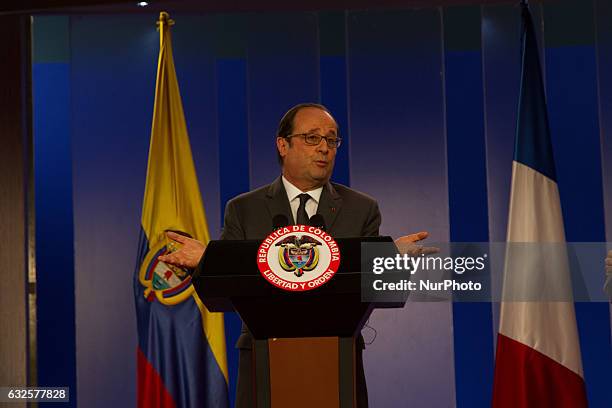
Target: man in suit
<point x="307" y="141"/>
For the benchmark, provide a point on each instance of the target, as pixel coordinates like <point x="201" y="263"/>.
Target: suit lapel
<point x="277" y="201"/>
<point x="329" y="205"/>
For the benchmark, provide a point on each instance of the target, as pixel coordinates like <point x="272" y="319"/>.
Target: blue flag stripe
<point x="533" y="144"/>
<point x="173" y="341"/>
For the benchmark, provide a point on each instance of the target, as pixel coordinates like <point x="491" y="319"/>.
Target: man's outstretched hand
<point x="407" y="245"/>
<point x="188" y="256"/>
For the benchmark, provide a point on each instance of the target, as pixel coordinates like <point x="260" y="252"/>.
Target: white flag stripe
<point x="535" y="209"/>
<point x="548" y="327"/>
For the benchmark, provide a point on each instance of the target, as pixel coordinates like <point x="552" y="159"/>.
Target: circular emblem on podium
<point x="298" y="258"/>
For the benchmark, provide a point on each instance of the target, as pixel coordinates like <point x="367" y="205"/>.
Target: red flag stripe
<point x="151" y="390"/>
<point x="526" y="378"/>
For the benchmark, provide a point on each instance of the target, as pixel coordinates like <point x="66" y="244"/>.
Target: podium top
<point x="228" y="279"/>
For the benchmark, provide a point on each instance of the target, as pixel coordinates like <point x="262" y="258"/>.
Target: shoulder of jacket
<point x="256" y="194"/>
<point x="349" y="193"/>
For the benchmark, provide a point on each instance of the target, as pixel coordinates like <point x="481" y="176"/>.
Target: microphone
<point x="318" y="221"/>
<point x="279" y="221"/>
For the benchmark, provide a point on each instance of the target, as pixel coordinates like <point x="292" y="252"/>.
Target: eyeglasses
<point x="313" y="139"/>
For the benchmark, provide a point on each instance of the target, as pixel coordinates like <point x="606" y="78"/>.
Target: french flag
<point x="538" y="361"/>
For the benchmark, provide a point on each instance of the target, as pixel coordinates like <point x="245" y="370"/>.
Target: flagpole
<point x="164" y="18"/>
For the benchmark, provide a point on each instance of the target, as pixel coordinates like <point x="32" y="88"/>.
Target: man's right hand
<point x="188" y="256"/>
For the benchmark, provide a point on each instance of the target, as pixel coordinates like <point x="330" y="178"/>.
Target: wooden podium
<point x="304" y="342"/>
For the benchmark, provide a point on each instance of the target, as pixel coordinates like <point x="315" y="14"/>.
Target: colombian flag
<point x="538" y="362"/>
<point x="181" y="345"/>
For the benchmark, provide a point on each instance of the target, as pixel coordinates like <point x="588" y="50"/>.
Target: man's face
<point x="306" y="166"/>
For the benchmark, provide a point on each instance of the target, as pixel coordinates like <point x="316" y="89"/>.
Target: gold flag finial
<point x="164" y="18"/>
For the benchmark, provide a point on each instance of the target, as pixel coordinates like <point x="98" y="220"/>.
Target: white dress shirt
<point x="292" y="194"/>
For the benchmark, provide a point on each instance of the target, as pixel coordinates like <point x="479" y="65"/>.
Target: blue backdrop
<point x="426" y="102"/>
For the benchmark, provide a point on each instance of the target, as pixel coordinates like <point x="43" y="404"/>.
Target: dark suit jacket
<point x="347" y="213"/>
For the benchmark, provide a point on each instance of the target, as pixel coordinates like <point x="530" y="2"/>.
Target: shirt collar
<point x="293" y="191"/>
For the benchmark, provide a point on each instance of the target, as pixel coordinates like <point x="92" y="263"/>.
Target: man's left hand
<point x="407" y="245"/>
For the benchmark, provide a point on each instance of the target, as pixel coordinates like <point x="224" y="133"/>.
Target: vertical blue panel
<point x="465" y="142"/>
<point x="571" y="87"/>
<point x="283" y="70"/>
<point x="233" y="130"/>
<point x="603" y="14"/>
<point x="232" y="117"/>
<point x="397" y="118"/>
<point x="398" y="155"/>
<point x="193" y="44"/>
<point x="573" y="108"/>
<point x="234" y="169"/>
<point x="114" y="60"/>
<point x="501" y="77"/>
<point x="467" y="181"/>
<point x="596" y="349"/>
<point x="56" y="357"/>
<point x="333" y="96"/>
<point x="332" y="40"/>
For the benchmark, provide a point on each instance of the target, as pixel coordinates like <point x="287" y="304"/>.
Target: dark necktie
<point x="302" y="216"/>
